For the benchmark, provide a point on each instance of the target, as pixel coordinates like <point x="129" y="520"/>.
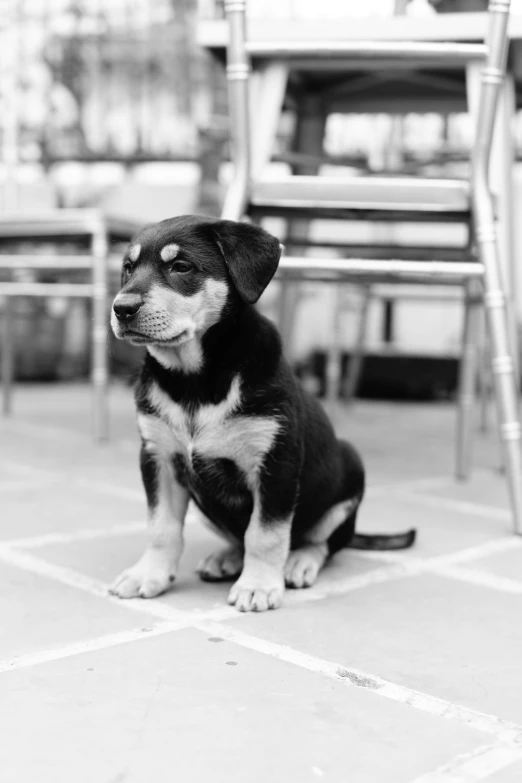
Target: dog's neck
<point x="242" y="339"/>
<point x="187" y="358"/>
<point x="191" y="357"/>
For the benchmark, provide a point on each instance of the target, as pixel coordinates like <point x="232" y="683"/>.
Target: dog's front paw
<point x="256" y="595"/>
<point x="151" y="576"/>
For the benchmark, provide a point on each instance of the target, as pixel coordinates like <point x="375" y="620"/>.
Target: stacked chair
<point x="90" y="231"/>
<point x="86" y="234"/>
<point x="301" y="197"/>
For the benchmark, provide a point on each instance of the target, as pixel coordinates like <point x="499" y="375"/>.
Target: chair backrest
<point x="494" y="51"/>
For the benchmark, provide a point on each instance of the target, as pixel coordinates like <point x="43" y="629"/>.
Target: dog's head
<point x="179" y="276"/>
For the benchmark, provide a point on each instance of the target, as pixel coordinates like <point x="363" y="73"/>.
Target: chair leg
<point x="288" y="300"/>
<point x="309" y="135"/>
<point x="486" y="394"/>
<point x="333" y="369"/>
<point x="99" y="333"/>
<point x="355" y="365"/>
<point x="484" y="378"/>
<point x="468" y="379"/>
<point x="503" y="368"/>
<point x="7" y="357"/>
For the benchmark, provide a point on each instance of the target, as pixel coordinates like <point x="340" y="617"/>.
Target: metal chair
<point x="91" y="230"/>
<point x="88" y="227"/>
<point x="470" y="203"/>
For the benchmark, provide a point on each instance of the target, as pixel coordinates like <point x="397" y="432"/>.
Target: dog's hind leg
<point x="305" y="562"/>
<point x="345" y="536"/>
<point x="223" y="565"/>
<point x="303" y="565"/>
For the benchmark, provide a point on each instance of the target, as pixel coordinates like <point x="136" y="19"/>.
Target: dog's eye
<point x="125" y="274"/>
<point x="181" y="267"/>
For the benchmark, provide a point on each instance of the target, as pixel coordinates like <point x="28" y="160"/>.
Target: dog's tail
<point x="353" y="471"/>
<point x="383" y="542"/>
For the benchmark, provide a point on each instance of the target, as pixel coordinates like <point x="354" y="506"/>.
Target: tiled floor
<point x="397" y="668"/>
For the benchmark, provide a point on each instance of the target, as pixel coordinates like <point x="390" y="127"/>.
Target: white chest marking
<point x="211" y="431"/>
<point x="188" y="357"/>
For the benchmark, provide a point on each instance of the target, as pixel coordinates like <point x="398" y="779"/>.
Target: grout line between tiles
<point x="475" y="766"/>
<point x="505" y="731"/>
<point x="211" y="622"/>
<point x="71" y="537"/>
<point x="502" y="584"/>
<point x="91" y="645"/>
<point x="448" y="504"/>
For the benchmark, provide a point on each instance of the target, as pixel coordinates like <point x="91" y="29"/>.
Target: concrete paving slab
<point x="408" y="440"/>
<point x="20" y="476"/>
<point x="453" y="640"/>
<point x="165" y="708"/>
<point x="182" y="707"/>
<point x="440" y="531"/>
<point x="504" y="564"/>
<point x="69" y="407"/>
<point x="511" y="774"/>
<point x="61" y="507"/>
<point x="104" y="559"/>
<point x="39" y="614"/>
<point x="65" y="454"/>
<point x="486" y="488"/>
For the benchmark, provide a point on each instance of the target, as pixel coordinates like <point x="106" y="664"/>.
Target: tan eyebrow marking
<point x="169" y="252"/>
<point x="134" y="252"/>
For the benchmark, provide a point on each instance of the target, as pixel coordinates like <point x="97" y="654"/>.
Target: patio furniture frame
<point x="482" y="275"/>
<point x="64" y="223"/>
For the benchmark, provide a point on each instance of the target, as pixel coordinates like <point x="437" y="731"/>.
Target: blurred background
<point x="118" y="105"/>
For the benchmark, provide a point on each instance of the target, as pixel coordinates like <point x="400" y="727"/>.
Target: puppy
<point x="224" y="422"/>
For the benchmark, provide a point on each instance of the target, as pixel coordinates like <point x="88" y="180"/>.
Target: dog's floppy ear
<point x="251" y="255"/>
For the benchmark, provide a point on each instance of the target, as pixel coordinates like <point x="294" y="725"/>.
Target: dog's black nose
<point x="126" y="306"/>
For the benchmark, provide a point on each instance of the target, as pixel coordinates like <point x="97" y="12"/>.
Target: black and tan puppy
<point x="224" y="422"/>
